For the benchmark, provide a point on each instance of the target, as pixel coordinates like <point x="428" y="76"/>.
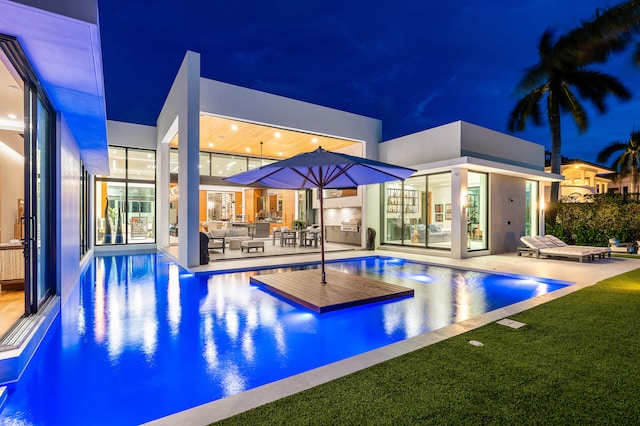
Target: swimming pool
<point x="140" y="338"/>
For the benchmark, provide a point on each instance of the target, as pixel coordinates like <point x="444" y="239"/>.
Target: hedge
<point x="593" y="223"/>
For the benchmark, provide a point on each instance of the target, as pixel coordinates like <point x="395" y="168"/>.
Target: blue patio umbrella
<point x="322" y="169"/>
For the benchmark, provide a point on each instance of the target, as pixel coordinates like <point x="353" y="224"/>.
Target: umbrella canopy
<point x="322" y="169"/>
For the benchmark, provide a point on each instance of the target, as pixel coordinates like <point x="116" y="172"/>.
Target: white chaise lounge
<point x="599" y="251"/>
<point x="539" y="248"/>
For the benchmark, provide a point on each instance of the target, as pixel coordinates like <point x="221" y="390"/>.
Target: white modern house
<point x="97" y="186"/>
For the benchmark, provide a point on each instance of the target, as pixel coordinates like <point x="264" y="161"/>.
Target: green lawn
<point x="577" y="361"/>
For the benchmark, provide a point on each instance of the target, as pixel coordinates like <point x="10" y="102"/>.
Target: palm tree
<point x="562" y="78"/>
<point x="628" y="160"/>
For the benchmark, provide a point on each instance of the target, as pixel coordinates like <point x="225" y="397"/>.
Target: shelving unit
<point x="399" y="201"/>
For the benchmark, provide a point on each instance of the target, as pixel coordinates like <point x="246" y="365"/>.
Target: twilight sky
<point x="414" y="64"/>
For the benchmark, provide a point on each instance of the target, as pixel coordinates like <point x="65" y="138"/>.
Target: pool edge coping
<point x="235" y="404"/>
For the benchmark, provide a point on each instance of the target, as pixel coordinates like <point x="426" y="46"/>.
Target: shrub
<point x="593" y="223"/>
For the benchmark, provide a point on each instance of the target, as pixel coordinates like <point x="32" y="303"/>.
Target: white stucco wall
<point x="506" y="213"/>
<point x="437" y="144"/>
<point x="84" y="10"/>
<point x="251" y="105"/>
<point x="68" y="214"/>
<point x="484" y="143"/>
<point x="131" y="135"/>
<point x="461" y="139"/>
<point x="183" y="104"/>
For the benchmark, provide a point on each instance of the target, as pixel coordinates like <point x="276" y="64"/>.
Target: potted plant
<point x="299" y="224"/>
<point x="119" y="236"/>
<point x="107" y="224"/>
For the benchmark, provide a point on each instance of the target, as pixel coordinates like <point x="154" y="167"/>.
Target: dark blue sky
<point x="414" y="64"/>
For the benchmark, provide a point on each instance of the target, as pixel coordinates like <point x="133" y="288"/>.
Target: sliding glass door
<point x="35" y="214"/>
<point x="38" y="199"/>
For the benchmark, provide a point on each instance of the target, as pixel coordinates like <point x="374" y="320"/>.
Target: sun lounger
<point x="554" y="242"/>
<point x="618" y="247"/>
<point x="599" y="251"/>
<point x="542" y="249"/>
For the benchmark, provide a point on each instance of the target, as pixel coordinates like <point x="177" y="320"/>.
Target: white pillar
<point x="459" y="192"/>
<point x="541" y="207"/>
<point x="185" y="97"/>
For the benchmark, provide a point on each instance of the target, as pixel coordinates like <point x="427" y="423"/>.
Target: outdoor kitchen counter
<point x="335" y="234"/>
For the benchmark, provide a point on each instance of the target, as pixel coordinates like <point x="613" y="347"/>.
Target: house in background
<point x="620" y="185"/>
<point x="581" y="180"/>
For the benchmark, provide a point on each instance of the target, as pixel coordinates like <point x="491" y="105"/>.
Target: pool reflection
<point x="138" y="325"/>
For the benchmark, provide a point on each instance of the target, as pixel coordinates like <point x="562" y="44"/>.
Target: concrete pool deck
<point x="583" y="274"/>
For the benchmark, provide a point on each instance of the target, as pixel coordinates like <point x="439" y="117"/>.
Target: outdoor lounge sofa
<point x="539" y="248"/>
<point x="435" y="232"/>
<point x="219" y="238"/>
<point x="599" y="251"/>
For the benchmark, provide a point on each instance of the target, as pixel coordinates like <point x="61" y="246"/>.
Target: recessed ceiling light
<point x="314" y="140"/>
<point x="248" y="149"/>
<point x="277" y="135"/>
<point x="211" y="145"/>
<point x="234" y="127"/>
<point x="280" y="154"/>
<point x="12" y="116"/>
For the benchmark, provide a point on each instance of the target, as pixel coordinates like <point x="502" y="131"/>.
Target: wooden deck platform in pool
<point x="341" y="291"/>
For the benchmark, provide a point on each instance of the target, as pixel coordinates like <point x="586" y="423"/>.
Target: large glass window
<point x="477" y="211"/>
<point x="417" y="212"/>
<point x="141" y="199"/>
<point x="117" y="163"/>
<point x="439" y="211"/>
<point x="42" y="192"/>
<point x="227" y="165"/>
<point x="392" y="214"/>
<point x="141" y="165"/>
<point x="125" y="201"/>
<point x="205" y="164"/>
<point x="85" y="245"/>
<point x="27" y="171"/>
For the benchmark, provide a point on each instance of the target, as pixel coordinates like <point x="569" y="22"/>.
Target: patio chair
<point x="276" y="234"/>
<point x="599" y="251"/>
<point x="311" y="235"/>
<point x="618" y="247"/>
<point x="287" y="237"/>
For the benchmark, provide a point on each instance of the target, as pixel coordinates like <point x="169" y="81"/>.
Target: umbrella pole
<point x="324" y="276"/>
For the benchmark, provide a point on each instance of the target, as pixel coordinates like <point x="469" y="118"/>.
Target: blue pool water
<point x="140" y="338"/>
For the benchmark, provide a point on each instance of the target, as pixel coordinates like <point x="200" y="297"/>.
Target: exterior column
<point x="188" y="160"/>
<point x="459" y="192"/>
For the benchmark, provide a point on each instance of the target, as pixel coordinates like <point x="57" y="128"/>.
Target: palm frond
<point x="611" y="30"/>
<point x="595" y="86"/>
<point x="528" y="107"/>
<point x="570" y="103"/>
<point x="609" y="150"/>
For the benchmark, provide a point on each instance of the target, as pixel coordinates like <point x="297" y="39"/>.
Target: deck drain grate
<point x="511" y="323"/>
